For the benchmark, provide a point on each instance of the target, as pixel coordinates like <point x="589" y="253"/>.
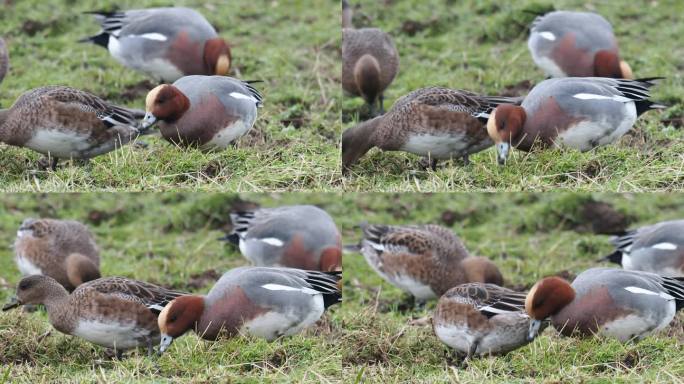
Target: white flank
<point x="665" y="246"/>
<point x="111" y="335"/>
<point x="278" y="287"/>
<point x="273" y="324"/>
<point x="627" y="261"/>
<point x="437" y="146"/>
<point x="272" y="241"/>
<point x="57" y="143"/>
<point x="586" y="135"/>
<point x="238" y="95"/>
<point x="591" y="96"/>
<point x="547" y="35"/>
<point x="26" y="267"/>
<point x="229" y="134"/>
<point x="647" y="292"/>
<point x="419" y="290"/>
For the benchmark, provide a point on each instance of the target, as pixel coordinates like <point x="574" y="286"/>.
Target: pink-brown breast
<point x="199" y="124"/>
<point x="229" y="313"/>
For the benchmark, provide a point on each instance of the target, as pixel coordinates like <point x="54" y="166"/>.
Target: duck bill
<point x="502" y="150"/>
<point x="12" y="303"/>
<point x="165" y="343"/>
<point x="148" y="121"/>
<point x="534" y="329"/>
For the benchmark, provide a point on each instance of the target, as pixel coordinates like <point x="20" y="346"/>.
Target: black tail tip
<point x="232" y="238"/>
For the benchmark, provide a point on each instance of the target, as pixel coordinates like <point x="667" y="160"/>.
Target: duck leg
<point x="150" y="348"/>
<point x="381" y="102"/>
<point x="466" y="160"/>
<point x="428" y="162"/>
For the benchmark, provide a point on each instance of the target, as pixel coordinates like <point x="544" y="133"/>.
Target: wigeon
<point x="62" y="249"/>
<point x="657" y="248"/>
<point x="436" y="122"/>
<point x="113" y="312"/>
<point x="298" y="236"/>
<point x="63" y="123"/>
<point x="576" y="112"/>
<point x="579" y="44"/>
<point x="369" y="64"/>
<point x="482" y="319"/>
<point x="164" y="43"/>
<point x="626" y="305"/>
<point x="423" y="260"/>
<point x="209" y="112"/>
<point x="259" y="301"/>
<point x="4" y="59"/>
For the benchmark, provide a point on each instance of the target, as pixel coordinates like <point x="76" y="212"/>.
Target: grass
<point x="291" y="45"/>
<point x="482" y="46"/>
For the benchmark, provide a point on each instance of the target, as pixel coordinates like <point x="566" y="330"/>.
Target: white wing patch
<point x="239" y="95"/>
<point x="278" y="287"/>
<point x="151" y="36"/>
<point x="547" y="35"/>
<point x="647" y="292"/>
<point x="665" y="246"/>
<point x="272" y="241"/>
<point x="591" y="96"/>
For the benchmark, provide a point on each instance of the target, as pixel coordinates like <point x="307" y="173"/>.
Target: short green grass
<point x="292" y="46"/>
<point x="528" y="236"/>
<point x="169" y="239"/>
<point x="482" y="46"/>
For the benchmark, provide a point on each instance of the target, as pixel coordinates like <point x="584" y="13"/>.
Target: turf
<point x="292" y="46"/>
<point x="481" y="46"/>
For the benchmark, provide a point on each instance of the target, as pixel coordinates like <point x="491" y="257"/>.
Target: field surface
<point x="292" y="46"/>
<point x="481" y="46"/>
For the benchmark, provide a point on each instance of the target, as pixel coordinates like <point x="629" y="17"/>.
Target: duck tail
<point x="675" y="287"/>
<point x="102" y="40"/>
<point x="615" y="257"/>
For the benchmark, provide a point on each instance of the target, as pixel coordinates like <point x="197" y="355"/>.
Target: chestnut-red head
<point x="178" y="317"/>
<point x="546" y="298"/>
<point x="504" y="125"/>
<point x="217" y="57"/>
<point x="165" y="102"/>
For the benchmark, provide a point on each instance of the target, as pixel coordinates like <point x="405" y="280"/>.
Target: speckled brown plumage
<point x="428" y="112"/>
<point x="4" y="59"/>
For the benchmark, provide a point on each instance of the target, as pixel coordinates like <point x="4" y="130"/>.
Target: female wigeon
<point x="423" y="260"/>
<point x="164" y="43"/>
<point x="580" y="44"/>
<point x="576" y="112"/>
<point x="62" y="249"/>
<point x="4" y="59"/>
<point x="63" y="123"/>
<point x="298" y="236"/>
<point x="113" y="312"/>
<point x="259" y="301"/>
<point x="205" y="111"/>
<point x="657" y="248"/>
<point x="482" y="319"/>
<point x="616" y="303"/>
<point x="436" y="122"/>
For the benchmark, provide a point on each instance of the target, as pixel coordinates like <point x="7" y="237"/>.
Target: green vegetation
<point x="482" y="46"/>
<point x="291" y="45"/>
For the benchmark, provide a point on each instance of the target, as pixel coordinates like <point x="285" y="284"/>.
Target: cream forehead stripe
<point x="529" y="298"/>
<point x="491" y="127"/>
<point x="151" y="96"/>
<point x="161" y="321"/>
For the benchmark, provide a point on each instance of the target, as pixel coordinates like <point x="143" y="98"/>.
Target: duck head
<point x="356" y="141"/>
<point x="608" y="64"/>
<point x="546" y="298"/>
<point x="217" y="57"/>
<point x="164" y="102"/>
<point x="504" y="125"/>
<point x="178" y="317"/>
<point x="34" y="289"/>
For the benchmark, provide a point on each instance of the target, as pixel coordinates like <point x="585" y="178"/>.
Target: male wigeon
<point x="4" y="59"/>
<point x="657" y="248"/>
<point x="164" y="43"/>
<point x="64" y="123"/>
<point x="298" y="236"/>
<point x="259" y="301"/>
<point x="482" y="319"/>
<point x="616" y="303"/>
<point x="424" y="260"/>
<point x="580" y="44"/>
<point x="576" y="112"/>
<point x="62" y="249"/>
<point x="436" y="122"/>
<point x="113" y="312"/>
<point x="369" y="61"/>
<point x="205" y="111"/>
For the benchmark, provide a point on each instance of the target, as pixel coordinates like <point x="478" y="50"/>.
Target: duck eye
<point x="24" y="285"/>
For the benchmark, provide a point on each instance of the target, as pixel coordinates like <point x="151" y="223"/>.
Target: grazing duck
<point x="163" y="43"/>
<point x="369" y="61"/>
<point x="576" y="112"/>
<point x="63" y="123"/>
<point x="205" y="111"/>
<point x="482" y="319"/>
<point x="113" y="312"/>
<point x="626" y="305"/>
<point x="298" y="236"/>
<point x="423" y="260"/>
<point x="436" y="122"/>
<point x="259" y="301"/>
<point x="576" y="44"/>
<point x="4" y="59"/>
<point x="62" y="249"/>
<point x="657" y="248"/>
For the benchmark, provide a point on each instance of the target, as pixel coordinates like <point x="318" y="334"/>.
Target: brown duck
<point x="4" y="59"/>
